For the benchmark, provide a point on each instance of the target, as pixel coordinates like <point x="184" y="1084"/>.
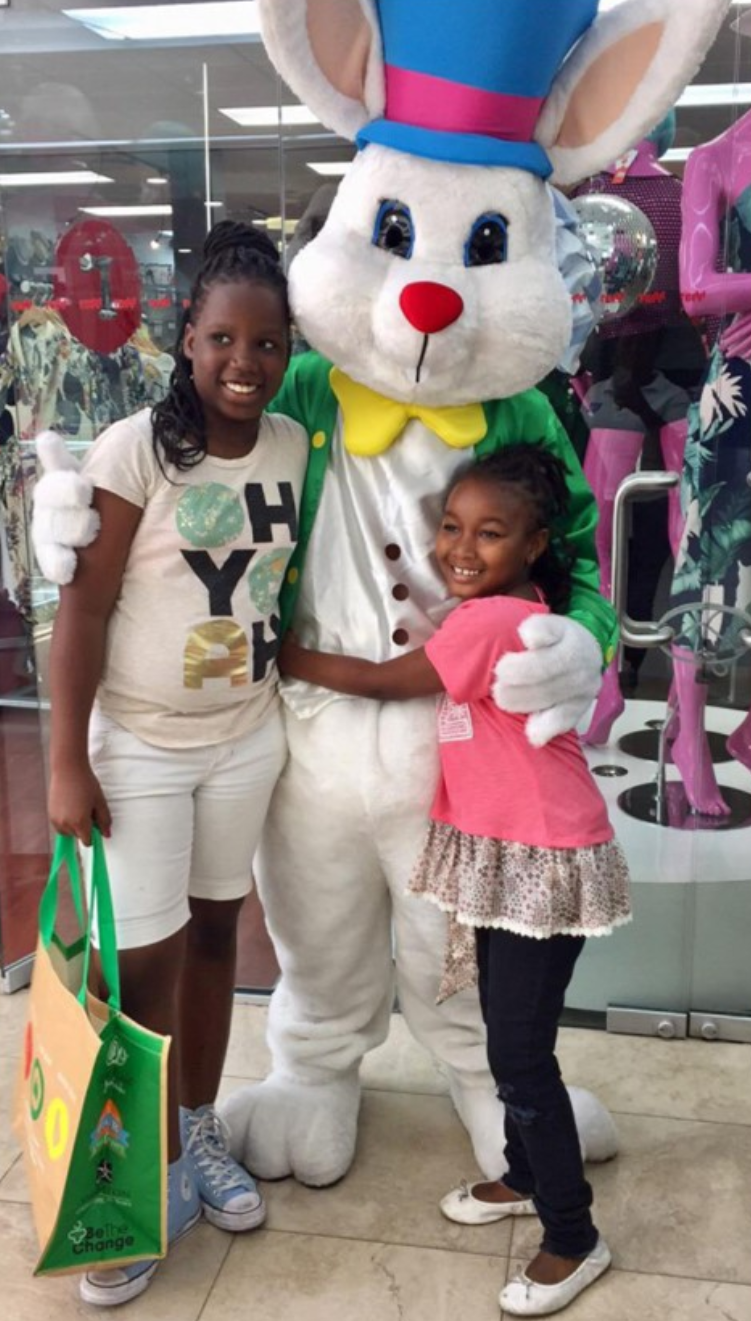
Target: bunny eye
<point x="487" y="244"/>
<point x="393" y="230"/>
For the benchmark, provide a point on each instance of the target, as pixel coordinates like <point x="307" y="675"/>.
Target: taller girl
<point x="166" y="731"/>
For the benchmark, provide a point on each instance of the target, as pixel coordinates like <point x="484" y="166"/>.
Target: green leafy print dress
<point x="713" y="566"/>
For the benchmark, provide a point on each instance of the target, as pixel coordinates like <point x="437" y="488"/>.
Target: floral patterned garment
<point x="49" y="379"/>
<point x="59" y="383"/>
<point x="713" y="566"/>
<point x="524" y="888"/>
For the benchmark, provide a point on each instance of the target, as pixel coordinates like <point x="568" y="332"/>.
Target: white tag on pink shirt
<point x="454" y="722"/>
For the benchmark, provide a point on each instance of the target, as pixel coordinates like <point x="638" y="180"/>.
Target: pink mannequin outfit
<point x="717" y="191"/>
<point x="630" y="394"/>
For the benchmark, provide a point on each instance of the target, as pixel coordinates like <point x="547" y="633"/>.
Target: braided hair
<point x="233" y="252"/>
<point x="541" y="476"/>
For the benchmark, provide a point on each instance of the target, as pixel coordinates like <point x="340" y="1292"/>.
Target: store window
<point x="665" y="385"/>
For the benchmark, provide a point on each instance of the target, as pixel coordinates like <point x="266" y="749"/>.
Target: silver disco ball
<point x="623" y="245"/>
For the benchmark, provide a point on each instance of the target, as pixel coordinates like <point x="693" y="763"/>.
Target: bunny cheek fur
<point x="364" y="330"/>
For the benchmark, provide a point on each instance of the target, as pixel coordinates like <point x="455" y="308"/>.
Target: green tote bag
<point x="90" y="1107"/>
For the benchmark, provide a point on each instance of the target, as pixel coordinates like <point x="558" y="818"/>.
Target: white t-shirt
<point x="191" y="643"/>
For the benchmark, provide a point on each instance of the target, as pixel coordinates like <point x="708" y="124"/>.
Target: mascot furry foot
<point x="480" y="1111"/>
<point x="482" y="1115"/>
<point x="598" y="1136"/>
<point x="281" y="1127"/>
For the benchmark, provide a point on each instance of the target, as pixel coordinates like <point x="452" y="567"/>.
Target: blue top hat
<point x="466" y="79"/>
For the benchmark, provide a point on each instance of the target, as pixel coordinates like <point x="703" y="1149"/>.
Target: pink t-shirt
<point x="493" y="782"/>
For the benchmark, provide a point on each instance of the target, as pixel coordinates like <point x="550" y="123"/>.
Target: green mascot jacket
<point x="306" y="396"/>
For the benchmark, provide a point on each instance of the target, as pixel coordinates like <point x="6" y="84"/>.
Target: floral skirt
<point x="532" y="891"/>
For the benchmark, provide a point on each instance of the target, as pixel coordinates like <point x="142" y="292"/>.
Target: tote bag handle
<point x="66" y="854"/>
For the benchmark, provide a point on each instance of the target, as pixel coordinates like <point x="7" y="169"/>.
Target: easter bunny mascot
<point x="433" y="294"/>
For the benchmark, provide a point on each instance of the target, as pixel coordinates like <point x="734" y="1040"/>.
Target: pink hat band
<point x="429" y="102"/>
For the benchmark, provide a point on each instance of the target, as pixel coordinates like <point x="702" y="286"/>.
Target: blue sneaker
<point x="228" y="1194"/>
<point x="120" y="1284"/>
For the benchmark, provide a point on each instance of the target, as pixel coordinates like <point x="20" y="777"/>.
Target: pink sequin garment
<point x="660" y="200"/>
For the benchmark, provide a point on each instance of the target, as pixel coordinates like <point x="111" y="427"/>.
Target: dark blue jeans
<point x="522" y="984"/>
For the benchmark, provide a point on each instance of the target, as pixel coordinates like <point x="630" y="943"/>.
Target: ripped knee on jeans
<point x="521" y="1114"/>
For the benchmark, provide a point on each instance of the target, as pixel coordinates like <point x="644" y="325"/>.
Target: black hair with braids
<point x="541" y="475"/>
<point x="233" y="252"/>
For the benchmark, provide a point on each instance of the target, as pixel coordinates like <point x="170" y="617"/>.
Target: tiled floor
<point x="675" y="1206"/>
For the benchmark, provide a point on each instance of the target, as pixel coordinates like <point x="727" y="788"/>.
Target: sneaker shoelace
<point x="208" y="1144"/>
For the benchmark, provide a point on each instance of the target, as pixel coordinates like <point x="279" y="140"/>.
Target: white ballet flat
<point x="522" y="1297"/>
<point x="464" y="1208"/>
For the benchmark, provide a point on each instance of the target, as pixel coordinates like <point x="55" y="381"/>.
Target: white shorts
<point x="185" y="821"/>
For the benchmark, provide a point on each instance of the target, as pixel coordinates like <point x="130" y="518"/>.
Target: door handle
<point x="635" y="632"/>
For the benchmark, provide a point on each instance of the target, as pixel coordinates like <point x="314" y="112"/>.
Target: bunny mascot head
<point x="433" y="298"/>
<point x="442" y="232"/>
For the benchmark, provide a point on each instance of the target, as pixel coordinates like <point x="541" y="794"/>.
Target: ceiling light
<point x="127" y="210"/>
<point x="172" y="22"/>
<point x="53" y="178"/>
<point x="268" y="116"/>
<point x="700" y="94"/>
<point x="158" y="181"/>
<point x="275" y="222"/>
<point x="328" y="167"/>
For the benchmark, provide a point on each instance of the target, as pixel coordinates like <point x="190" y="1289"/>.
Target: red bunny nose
<point x="430" y="307"/>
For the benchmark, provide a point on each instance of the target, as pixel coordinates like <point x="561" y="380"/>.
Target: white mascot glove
<point x="63" y="518"/>
<point x="558" y="677"/>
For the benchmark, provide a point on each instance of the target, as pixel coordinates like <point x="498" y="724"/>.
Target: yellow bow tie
<point x="372" y="422"/>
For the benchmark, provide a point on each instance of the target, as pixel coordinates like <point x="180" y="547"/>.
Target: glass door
<point x="669" y="388"/>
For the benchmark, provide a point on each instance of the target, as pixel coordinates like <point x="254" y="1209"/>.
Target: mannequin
<point x="76" y="365"/>
<point x="11" y="621"/>
<point x="65" y="368"/>
<point x="714" y="562"/>
<point x="639" y="367"/>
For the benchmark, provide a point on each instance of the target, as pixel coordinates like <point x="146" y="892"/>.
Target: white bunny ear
<point x="329" y="52"/>
<point x="621" y="79"/>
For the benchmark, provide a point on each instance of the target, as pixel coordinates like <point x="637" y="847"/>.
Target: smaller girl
<point x="166" y="727"/>
<point x="519" y="853"/>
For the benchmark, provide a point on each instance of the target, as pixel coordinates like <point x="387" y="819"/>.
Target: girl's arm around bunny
<point x="76" y="662"/>
<point x="386" y="681"/>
